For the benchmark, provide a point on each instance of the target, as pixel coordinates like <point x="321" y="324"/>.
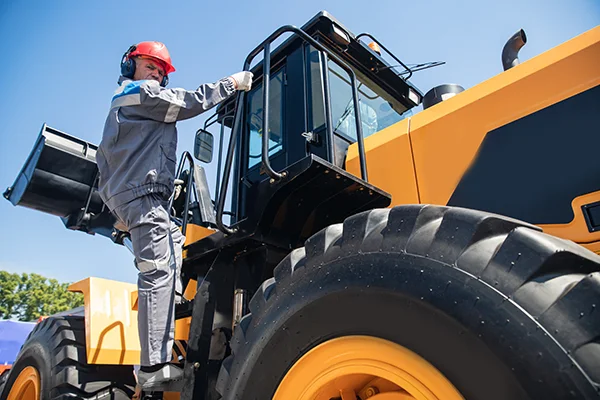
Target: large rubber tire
<point x="56" y="348"/>
<point x="503" y="310"/>
<point x="3" y="378"/>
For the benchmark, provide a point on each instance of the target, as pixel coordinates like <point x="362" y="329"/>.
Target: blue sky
<point x="62" y="63"/>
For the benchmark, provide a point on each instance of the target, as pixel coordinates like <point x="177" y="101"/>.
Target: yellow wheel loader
<point x="355" y="249"/>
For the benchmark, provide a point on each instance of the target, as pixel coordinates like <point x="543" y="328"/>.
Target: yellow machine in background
<point x="363" y="251"/>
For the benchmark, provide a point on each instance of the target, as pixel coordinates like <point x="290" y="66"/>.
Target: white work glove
<point x="243" y="80"/>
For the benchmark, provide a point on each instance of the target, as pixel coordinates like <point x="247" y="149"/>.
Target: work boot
<point x="165" y="378"/>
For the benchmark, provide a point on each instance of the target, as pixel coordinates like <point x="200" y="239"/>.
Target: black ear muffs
<point x="128" y="67"/>
<point x="128" y="64"/>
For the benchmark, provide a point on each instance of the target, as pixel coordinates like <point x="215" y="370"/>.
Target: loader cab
<point x="311" y="105"/>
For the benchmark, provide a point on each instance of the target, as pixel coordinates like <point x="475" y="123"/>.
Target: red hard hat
<point x="156" y="50"/>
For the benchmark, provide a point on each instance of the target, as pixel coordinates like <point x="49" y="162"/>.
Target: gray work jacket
<point x="137" y="154"/>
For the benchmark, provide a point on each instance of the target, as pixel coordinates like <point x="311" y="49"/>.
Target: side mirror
<point x="203" y="146"/>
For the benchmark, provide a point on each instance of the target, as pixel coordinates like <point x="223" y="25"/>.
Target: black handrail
<point x="184" y="156"/>
<point x="327" y="104"/>
<point x="222" y="134"/>
<point x="265" y="123"/>
<point x="239" y="111"/>
<point x="207" y="123"/>
<point x="387" y="51"/>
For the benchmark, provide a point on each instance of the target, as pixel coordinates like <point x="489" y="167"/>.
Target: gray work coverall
<point x="137" y="160"/>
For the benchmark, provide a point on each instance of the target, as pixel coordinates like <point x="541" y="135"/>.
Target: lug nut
<point x="371" y="391"/>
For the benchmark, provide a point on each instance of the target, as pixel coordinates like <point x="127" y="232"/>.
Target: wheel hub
<point x="363" y="367"/>
<point x="27" y="386"/>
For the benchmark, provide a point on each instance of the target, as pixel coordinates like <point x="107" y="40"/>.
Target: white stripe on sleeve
<point x="172" y="113"/>
<point x="127" y="100"/>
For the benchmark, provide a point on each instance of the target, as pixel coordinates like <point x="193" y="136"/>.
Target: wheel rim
<point x="367" y="367"/>
<point x="26" y="386"/>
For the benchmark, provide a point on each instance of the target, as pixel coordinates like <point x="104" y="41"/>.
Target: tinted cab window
<point x="255" y="120"/>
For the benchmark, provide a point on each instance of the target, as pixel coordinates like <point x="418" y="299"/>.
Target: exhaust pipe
<point x="510" y="52"/>
<point x="441" y="93"/>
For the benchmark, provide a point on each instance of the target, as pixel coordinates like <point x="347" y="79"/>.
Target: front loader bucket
<point x="58" y="176"/>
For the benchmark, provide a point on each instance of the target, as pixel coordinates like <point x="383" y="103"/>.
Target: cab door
<point x="287" y="123"/>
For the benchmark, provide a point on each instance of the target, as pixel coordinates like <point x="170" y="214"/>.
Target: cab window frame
<point x="281" y="116"/>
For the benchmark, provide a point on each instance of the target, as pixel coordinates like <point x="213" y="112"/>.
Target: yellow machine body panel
<point x="438" y="155"/>
<point x="447" y="136"/>
<point x="110" y="321"/>
<point x="390" y="163"/>
<point x="194" y="233"/>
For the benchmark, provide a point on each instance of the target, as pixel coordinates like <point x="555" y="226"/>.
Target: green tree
<point x="30" y="296"/>
<point x="9" y="294"/>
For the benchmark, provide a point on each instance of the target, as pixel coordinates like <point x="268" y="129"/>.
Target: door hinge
<point x="311" y="137"/>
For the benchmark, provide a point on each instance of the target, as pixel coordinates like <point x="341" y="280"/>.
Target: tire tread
<point x="511" y="256"/>
<point x="71" y="376"/>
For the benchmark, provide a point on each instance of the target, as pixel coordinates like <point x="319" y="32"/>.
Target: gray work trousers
<point x="157" y="245"/>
